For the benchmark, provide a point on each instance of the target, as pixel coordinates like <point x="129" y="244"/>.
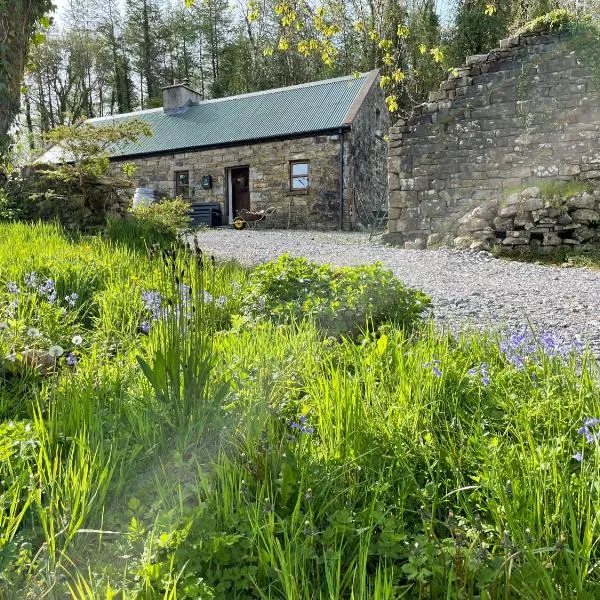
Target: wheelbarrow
<point x="246" y="218"/>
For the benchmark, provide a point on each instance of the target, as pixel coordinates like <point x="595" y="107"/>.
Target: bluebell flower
<point x="12" y="307"/>
<point x="31" y="280"/>
<point x="518" y="361"/>
<point x="145" y="327"/>
<point x="71" y="299"/>
<point x="437" y="372"/>
<point x="13" y="288"/>
<point x="221" y="301"/>
<point x="301" y="425"/>
<point x="586" y="430"/>
<point x="578" y="456"/>
<point x="71" y="359"/>
<point x="207" y="296"/>
<point x="153" y="303"/>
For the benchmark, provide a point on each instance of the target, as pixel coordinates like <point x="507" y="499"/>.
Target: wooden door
<point x="240" y="189"/>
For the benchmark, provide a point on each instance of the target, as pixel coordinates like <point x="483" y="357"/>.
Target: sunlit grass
<point x="213" y="455"/>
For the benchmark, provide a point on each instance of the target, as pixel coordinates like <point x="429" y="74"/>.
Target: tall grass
<point x="191" y="452"/>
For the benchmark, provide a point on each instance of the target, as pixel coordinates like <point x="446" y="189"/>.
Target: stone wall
<point x="45" y="199"/>
<point x="526" y="112"/>
<point x="269" y="177"/>
<point x="368" y="149"/>
<point x="533" y="220"/>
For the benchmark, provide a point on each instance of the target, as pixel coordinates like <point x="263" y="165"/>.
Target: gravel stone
<point x="468" y="289"/>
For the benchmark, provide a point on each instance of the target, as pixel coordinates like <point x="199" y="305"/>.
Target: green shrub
<point x="10" y="209"/>
<point x="340" y="300"/>
<point x="160" y="223"/>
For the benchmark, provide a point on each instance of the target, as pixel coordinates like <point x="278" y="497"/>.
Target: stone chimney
<point x="177" y="97"/>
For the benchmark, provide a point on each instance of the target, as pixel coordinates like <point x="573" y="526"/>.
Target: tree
<point x="18" y="23"/>
<point x="85" y="148"/>
<point x="143" y="39"/>
<point x="475" y="30"/>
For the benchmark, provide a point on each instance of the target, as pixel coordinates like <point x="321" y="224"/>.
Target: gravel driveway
<point x="466" y="288"/>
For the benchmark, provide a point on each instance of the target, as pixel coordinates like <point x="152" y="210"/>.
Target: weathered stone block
<point x="463" y="242"/>
<point x="583" y="201"/>
<point x="531" y="204"/>
<point x="584" y="215"/>
<point x="473" y="224"/>
<point x="503" y="223"/>
<point x="551" y="239"/>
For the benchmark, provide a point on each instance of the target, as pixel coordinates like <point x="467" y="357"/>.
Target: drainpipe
<point x="341" y="182"/>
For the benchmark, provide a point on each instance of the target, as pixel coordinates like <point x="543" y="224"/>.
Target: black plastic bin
<point x="206" y="213"/>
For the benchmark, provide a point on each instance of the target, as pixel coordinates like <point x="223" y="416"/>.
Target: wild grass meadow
<point x="172" y="428"/>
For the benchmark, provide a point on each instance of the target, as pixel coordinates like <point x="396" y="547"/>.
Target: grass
<point x="553" y="189"/>
<point x="222" y="455"/>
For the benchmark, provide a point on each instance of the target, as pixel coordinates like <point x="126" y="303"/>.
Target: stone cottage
<point x="315" y="152"/>
<point x="476" y="164"/>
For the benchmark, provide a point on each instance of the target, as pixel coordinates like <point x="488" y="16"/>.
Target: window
<point x="299" y="176"/>
<point x="182" y="184"/>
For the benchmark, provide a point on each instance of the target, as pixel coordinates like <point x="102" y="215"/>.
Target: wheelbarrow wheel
<point x="239" y="223"/>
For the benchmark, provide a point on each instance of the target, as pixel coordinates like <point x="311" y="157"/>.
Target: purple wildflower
<point x="71" y="359"/>
<point x="12" y="307"/>
<point x="153" y="303"/>
<point x="578" y="456"/>
<point x="207" y="296"/>
<point x="221" y="301"/>
<point x="483" y="371"/>
<point x="31" y="280"/>
<point x="437" y="372"/>
<point x="71" y="299"/>
<point x="586" y="430"/>
<point x="302" y="426"/>
<point x="145" y="327"/>
<point x="13" y="288"/>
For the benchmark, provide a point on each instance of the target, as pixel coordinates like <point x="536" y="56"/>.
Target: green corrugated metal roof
<point x="312" y="107"/>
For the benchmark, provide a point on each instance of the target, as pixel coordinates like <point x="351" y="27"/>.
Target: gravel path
<point x="466" y="288"/>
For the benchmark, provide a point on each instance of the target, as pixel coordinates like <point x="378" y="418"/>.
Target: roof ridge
<point x="145" y="111"/>
<point x="287" y="87"/>
<point x="246" y="95"/>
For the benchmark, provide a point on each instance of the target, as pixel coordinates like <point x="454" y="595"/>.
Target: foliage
<point x="10" y="210"/>
<point x="476" y="30"/>
<point x="556" y="19"/>
<point x="180" y="450"/>
<point x="340" y="300"/>
<point x="85" y="147"/>
<point x="552" y="189"/>
<point x="160" y="223"/>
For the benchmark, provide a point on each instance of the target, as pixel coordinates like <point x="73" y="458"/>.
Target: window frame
<point x="177" y="185"/>
<point x="292" y="177"/>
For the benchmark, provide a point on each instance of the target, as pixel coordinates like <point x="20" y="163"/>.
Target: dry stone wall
<point x="526" y="112"/>
<point x="533" y="221"/>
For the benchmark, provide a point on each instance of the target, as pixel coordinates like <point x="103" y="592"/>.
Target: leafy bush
<point x="9" y="207"/>
<point x="160" y="223"/>
<point x="340" y="300"/>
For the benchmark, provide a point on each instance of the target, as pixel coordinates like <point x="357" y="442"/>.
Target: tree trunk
<point x="17" y="24"/>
